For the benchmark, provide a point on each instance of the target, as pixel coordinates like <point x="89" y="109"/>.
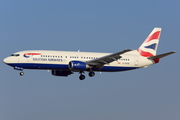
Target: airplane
<point x="64" y="63"/>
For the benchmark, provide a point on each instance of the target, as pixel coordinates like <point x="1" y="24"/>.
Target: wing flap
<point x="100" y="62"/>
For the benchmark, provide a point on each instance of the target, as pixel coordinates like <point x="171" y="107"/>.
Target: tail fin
<point x="150" y="45"/>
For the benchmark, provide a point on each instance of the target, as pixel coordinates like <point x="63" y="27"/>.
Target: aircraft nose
<point x="6" y="60"/>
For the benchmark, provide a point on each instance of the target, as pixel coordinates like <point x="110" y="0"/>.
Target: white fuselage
<point x="59" y="60"/>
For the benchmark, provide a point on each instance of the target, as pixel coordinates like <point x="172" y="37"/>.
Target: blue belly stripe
<point x="65" y="67"/>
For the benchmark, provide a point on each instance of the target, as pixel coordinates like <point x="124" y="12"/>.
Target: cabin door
<point x="136" y="61"/>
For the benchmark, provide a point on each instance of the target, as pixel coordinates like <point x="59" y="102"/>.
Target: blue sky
<point x="94" y="26"/>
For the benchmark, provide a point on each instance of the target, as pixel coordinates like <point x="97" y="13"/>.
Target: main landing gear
<point x="91" y="74"/>
<point x="82" y="77"/>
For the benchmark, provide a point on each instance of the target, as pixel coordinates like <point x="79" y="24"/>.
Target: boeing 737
<point x="64" y="63"/>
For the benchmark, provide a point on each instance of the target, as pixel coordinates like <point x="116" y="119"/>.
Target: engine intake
<point x="78" y="66"/>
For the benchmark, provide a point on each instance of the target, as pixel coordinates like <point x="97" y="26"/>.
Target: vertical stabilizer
<point x="150" y="45"/>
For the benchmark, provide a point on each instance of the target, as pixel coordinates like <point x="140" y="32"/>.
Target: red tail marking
<point x="156" y="60"/>
<point x="153" y="36"/>
<point x="144" y="54"/>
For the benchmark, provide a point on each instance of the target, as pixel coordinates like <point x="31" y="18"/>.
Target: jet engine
<point x="78" y="66"/>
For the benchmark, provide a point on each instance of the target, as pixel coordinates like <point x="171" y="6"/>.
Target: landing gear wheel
<point x="82" y="77"/>
<point x="91" y="74"/>
<point x="21" y="73"/>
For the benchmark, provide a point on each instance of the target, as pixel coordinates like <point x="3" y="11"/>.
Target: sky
<point x="91" y="26"/>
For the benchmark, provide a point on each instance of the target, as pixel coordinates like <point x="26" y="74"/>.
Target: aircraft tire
<point x="82" y="77"/>
<point x="91" y="74"/>
<point x="21" y="73"/>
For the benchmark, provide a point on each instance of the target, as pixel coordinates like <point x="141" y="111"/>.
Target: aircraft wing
<point x="100" y="62"/>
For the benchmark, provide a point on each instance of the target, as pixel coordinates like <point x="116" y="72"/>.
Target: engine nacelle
<point x="78" y="66"/>
<point x="61" y="73"/>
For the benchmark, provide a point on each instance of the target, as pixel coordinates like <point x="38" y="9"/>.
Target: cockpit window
<point x="15" y="55"/>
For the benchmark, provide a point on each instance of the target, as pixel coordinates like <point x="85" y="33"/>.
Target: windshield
<point x="15" y="55"/>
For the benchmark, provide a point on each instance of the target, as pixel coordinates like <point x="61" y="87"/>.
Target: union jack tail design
<point x="150" y="45"/>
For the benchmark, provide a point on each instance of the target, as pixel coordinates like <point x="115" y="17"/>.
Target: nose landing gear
<point x="21" y="73"/>
<point x="19" y="68"/>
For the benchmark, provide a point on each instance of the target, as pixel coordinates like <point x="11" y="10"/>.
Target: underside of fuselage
<point x="64" y="67"/>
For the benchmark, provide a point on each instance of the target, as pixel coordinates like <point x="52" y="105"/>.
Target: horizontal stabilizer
<point x="161" y="55"/>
